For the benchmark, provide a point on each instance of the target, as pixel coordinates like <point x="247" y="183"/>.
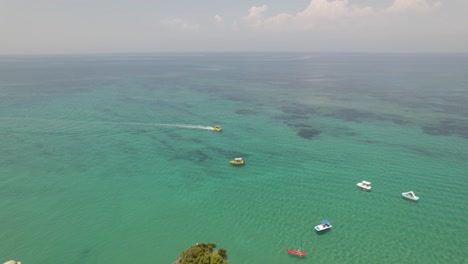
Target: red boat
<point x="297" y="252"/>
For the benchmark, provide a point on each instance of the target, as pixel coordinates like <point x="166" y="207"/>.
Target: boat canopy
<point x="238" y="159"/>
<point x="366" y="182"/>
<point x="325" y="222"/>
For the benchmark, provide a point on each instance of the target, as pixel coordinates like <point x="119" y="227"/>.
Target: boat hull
<point x="364" y="188"/>
<point x="409" y="197"/>
<point x="297" y="252"/>
<point x="233" y="162"/>
<point x="321" y="228"/>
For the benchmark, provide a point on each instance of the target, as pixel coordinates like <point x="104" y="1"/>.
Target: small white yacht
<point x="364" y="185"/>
<point x="324" y="225"/>
<point x="410" y="195"/>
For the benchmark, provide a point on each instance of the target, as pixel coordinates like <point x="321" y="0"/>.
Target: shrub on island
<point x="202" y="253"/>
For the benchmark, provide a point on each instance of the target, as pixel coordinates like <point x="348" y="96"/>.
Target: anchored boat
<point x="324" y="225"/>
<point x="410" y="195"/>
<point x="237" y="161"/>
<point x="364" y="185"/>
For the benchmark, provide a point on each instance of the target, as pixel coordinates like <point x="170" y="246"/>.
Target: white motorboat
<point x="237" y="161"/>
<point x="324" y="225"/>
<point x="410" y="195"/>
<point x="364" y="185"/>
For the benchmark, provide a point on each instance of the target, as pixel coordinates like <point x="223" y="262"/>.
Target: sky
<point x="127" y="26"/>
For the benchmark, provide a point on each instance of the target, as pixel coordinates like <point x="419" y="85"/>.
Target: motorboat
<point x="324" y="225"/>
<point x="237" y="161"/>
<point x="297" y="252"/>
<point x="217" y="128"/>
<point x="364" y="185"/>
<point x="410" y="195"/>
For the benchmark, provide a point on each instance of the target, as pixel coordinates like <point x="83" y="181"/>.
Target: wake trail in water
<point x="187" y="126"/>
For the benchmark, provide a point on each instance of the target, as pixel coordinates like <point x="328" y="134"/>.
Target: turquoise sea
<point x="110" y="158"/>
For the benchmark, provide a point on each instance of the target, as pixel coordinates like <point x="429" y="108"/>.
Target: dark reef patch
<point x="86" y="252"/>
<point x="194" y="156"/>
<point x="110" y="114"/>
<point x="39" y="145"/>
<point x="298" y="110"/>
<point x="354" y="115"/>
<point x="228" y="153"/>
<point x="246" y="112"/>
<point x="342" y="131"/>
<point x="295" y="112"/>
<point x="422" y="151"/>
<point x="394" y="118"/>
<point x="238" y="98"/>
<point x="350" y="115"/>
<point x="281" y="117"/>
<point x="197" y="140"/>
<point x="233" y="154"/>
<point x="447" y="127"/>
<point x="84" y="256"/>
<point x="301" y="126"/>
<point x="162" y="142"/>
<point x="174" y="135"/>
<point x="448" y="104"/>
<point x="308" y="133"/>
<point x="369" y="141"/>
<point x="455" y="109"/>
<point x="199" y="156"/>
<point x="298" y="117"/>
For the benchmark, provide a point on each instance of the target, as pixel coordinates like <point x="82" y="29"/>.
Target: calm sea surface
<point x="110" y="158"/>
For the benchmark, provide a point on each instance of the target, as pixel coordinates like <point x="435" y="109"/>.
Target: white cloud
<point x="321" y="12"/>
<point x="179" y="23"/>
<point x="324" y="10"/>
<point x="278" y="20"/>
<point x="218" y="19"/>
<point x="257" y="11"/>
<point x="255" y="17"/>
<point x="403" y="6"/>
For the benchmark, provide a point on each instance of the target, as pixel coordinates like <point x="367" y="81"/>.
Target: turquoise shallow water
<point x="108" y="159"/>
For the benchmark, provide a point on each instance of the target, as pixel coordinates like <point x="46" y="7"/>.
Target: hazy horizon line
<point x="231" y="52"/>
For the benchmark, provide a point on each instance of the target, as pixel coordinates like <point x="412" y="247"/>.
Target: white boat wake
<point x="188" y="126"/>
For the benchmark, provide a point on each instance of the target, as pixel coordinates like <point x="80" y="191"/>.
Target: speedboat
<point x="217" y="128"/>
<point x="237" y="161"/>
<point x="364" y="185"/>
<point x="324" y="225"/>
<point x="297" y="252"/>
<point x="410" y="195"/>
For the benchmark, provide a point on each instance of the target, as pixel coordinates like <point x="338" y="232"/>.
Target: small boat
<point x="410" y="195"/>
<point x="217" y="128"/>
<point x="324" y="225"/>
<point x="237" y="161"/>
<point x="297" y="252"/>
<point x="364" y="185"/>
